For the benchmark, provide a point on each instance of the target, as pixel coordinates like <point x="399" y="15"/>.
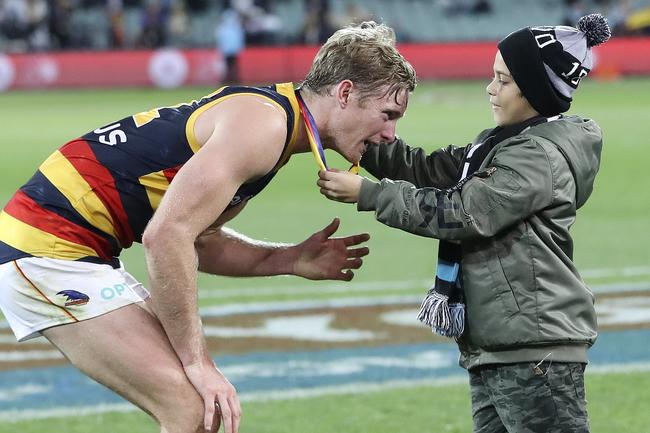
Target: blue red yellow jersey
<point x="94" y="196"/>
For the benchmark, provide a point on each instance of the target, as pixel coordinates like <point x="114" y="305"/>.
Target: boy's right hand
<point x="340" y="185"/>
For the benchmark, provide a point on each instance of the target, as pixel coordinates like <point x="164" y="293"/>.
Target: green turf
<point x="616" y="403"/>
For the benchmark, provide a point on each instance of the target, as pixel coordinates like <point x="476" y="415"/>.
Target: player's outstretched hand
<point x="218" y="394"/>
<point x="322" y="257"/>
<point x="338" y="185"/>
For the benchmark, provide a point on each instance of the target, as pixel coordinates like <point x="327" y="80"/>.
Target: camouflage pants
<point x="529" y="398"/>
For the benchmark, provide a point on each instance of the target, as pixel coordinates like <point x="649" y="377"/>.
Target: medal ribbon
<point x="314" y="139"/>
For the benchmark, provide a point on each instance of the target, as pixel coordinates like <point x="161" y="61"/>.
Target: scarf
<point x="443" y="308"/>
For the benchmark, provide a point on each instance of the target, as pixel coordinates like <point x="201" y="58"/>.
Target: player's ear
<point x="343" y="91"/>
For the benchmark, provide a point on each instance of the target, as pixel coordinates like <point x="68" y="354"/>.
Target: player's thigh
<point x="127" y="351"/>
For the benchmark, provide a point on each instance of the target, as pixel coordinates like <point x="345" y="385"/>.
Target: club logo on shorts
<point x="74" y="298"/>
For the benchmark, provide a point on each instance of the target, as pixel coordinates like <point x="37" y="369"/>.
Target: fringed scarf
<point x="443" y="309"/>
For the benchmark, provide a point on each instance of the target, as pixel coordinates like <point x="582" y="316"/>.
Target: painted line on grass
<point x="396" y="285"/>
<point x="14" y="416"/>
<point x="612" y="311"/>
<point x="278" y="306"/>
<point x="252" y="397"/>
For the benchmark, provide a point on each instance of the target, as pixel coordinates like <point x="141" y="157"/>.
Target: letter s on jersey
<point x="114" y="135"/>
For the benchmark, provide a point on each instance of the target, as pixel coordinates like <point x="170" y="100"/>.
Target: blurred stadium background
<point x="324" y="357"/>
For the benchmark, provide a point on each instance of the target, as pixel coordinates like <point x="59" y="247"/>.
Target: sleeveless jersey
<point x="94" y="196"/>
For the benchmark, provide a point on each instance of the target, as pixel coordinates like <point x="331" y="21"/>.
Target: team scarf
<point x="443" y="308"/>
<point x="314" y="138"/>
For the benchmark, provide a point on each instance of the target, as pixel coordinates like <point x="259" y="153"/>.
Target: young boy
<point x="506" y="287"/>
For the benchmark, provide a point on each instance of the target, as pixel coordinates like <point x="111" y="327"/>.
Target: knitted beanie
<point x="547" y="63"/>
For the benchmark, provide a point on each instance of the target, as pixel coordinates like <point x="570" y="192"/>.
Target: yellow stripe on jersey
<point x="156" y="185"/>
<point x="286" y="89"/>
<point x="145" y="117"/>
<point x="58" y="170"/>
<point x="189" y="126"/>
<point x="38" y="243"/>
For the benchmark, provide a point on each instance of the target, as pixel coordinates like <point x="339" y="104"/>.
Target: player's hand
<point x="338" y="185"/>
<point x="321" y="257"/>
<point x="218" y="394"/>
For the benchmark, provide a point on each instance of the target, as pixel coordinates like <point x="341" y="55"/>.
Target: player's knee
<point x="184" y="418"/>
<point x="181" y="409"/>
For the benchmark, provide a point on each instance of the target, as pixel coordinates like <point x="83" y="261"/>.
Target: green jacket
<point x="524" y="296"/>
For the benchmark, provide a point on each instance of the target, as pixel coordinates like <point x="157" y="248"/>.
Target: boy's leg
<point x="484" y="415"/>
<point x="539" y="398"/>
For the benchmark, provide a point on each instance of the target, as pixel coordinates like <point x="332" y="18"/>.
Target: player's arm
<point x="223" y="251"/>
<point x="234" y="153"/>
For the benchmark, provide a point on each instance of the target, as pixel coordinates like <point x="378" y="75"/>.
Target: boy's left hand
<point x="338" y="185"/>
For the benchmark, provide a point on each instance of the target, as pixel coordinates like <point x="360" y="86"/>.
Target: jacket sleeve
<point x="399" y="161"/>
<point x="517" y="183"/>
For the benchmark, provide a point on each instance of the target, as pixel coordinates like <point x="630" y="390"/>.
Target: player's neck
<point x="319" y="108"/>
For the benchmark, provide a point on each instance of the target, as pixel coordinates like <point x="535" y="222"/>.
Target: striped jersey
<point x="94" y="196"/>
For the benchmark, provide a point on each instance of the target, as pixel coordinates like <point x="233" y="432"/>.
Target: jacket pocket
<point x="501" y="288"/>
<point x="500" y="291"/>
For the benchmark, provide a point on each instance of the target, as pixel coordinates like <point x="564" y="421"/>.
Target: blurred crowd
<point x="39" y="25"/>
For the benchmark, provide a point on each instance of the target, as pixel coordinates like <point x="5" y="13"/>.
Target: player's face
<point x="368" y="122"/>
<point x="509" y="106"/>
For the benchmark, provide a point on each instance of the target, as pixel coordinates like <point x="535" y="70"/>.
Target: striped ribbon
<point x="314" y="139"/>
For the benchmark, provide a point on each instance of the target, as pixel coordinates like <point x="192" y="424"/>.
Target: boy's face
<point x="366" y="122"/>
<point x="509" y="106"/>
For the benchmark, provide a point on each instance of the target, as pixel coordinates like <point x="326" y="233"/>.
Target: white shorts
<point x="37" y="293"/>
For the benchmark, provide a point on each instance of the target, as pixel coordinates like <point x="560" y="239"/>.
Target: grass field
<point x="611" y="243"/>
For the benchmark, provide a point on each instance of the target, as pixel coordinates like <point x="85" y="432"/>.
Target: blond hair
<point x="364" y="54"/>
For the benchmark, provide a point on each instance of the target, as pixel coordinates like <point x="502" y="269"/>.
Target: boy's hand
<point x="340" y="185"/>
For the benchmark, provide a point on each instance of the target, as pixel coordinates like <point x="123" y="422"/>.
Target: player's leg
<point x="97" y="317"/>
<point x="128" y="351"/>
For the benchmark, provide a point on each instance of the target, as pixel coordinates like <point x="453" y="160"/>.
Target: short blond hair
<point x="364" y="54"/>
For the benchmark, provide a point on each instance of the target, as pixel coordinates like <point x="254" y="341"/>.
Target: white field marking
<point x="314" y="289"/>
<point x="280" y="306"/>
<point x="11" y="339"/>
<point x="312" y="328"/>
<point x="8" y="339"/>
<point x="29" y="355"/>
<point x="22" y="391"/>
<point x="316" y="328"/>
<point x="639" y="286"/>
<point x="623" y="311"/>
<point x="293" y="394"/>
<point x="427" y="361"/>
<point x="384" y="286"/>
<point x="611" y="311"/>
<point x="34" y="414"/>
<point x="631" y="271"/>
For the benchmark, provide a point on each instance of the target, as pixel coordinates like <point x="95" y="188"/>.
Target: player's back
<point x="95" y="195"/>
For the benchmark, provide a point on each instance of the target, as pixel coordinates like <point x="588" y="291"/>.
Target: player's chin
<point x="353" y="157"/>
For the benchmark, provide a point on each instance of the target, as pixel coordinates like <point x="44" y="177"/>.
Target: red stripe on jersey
<point x="99" y="178"/>
<point x="23" y="208"/>
<point x="171" y="172"/>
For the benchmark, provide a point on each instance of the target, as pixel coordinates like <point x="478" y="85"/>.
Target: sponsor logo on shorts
<point x="74" y="298"/>
<point x="109" y="293"/>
